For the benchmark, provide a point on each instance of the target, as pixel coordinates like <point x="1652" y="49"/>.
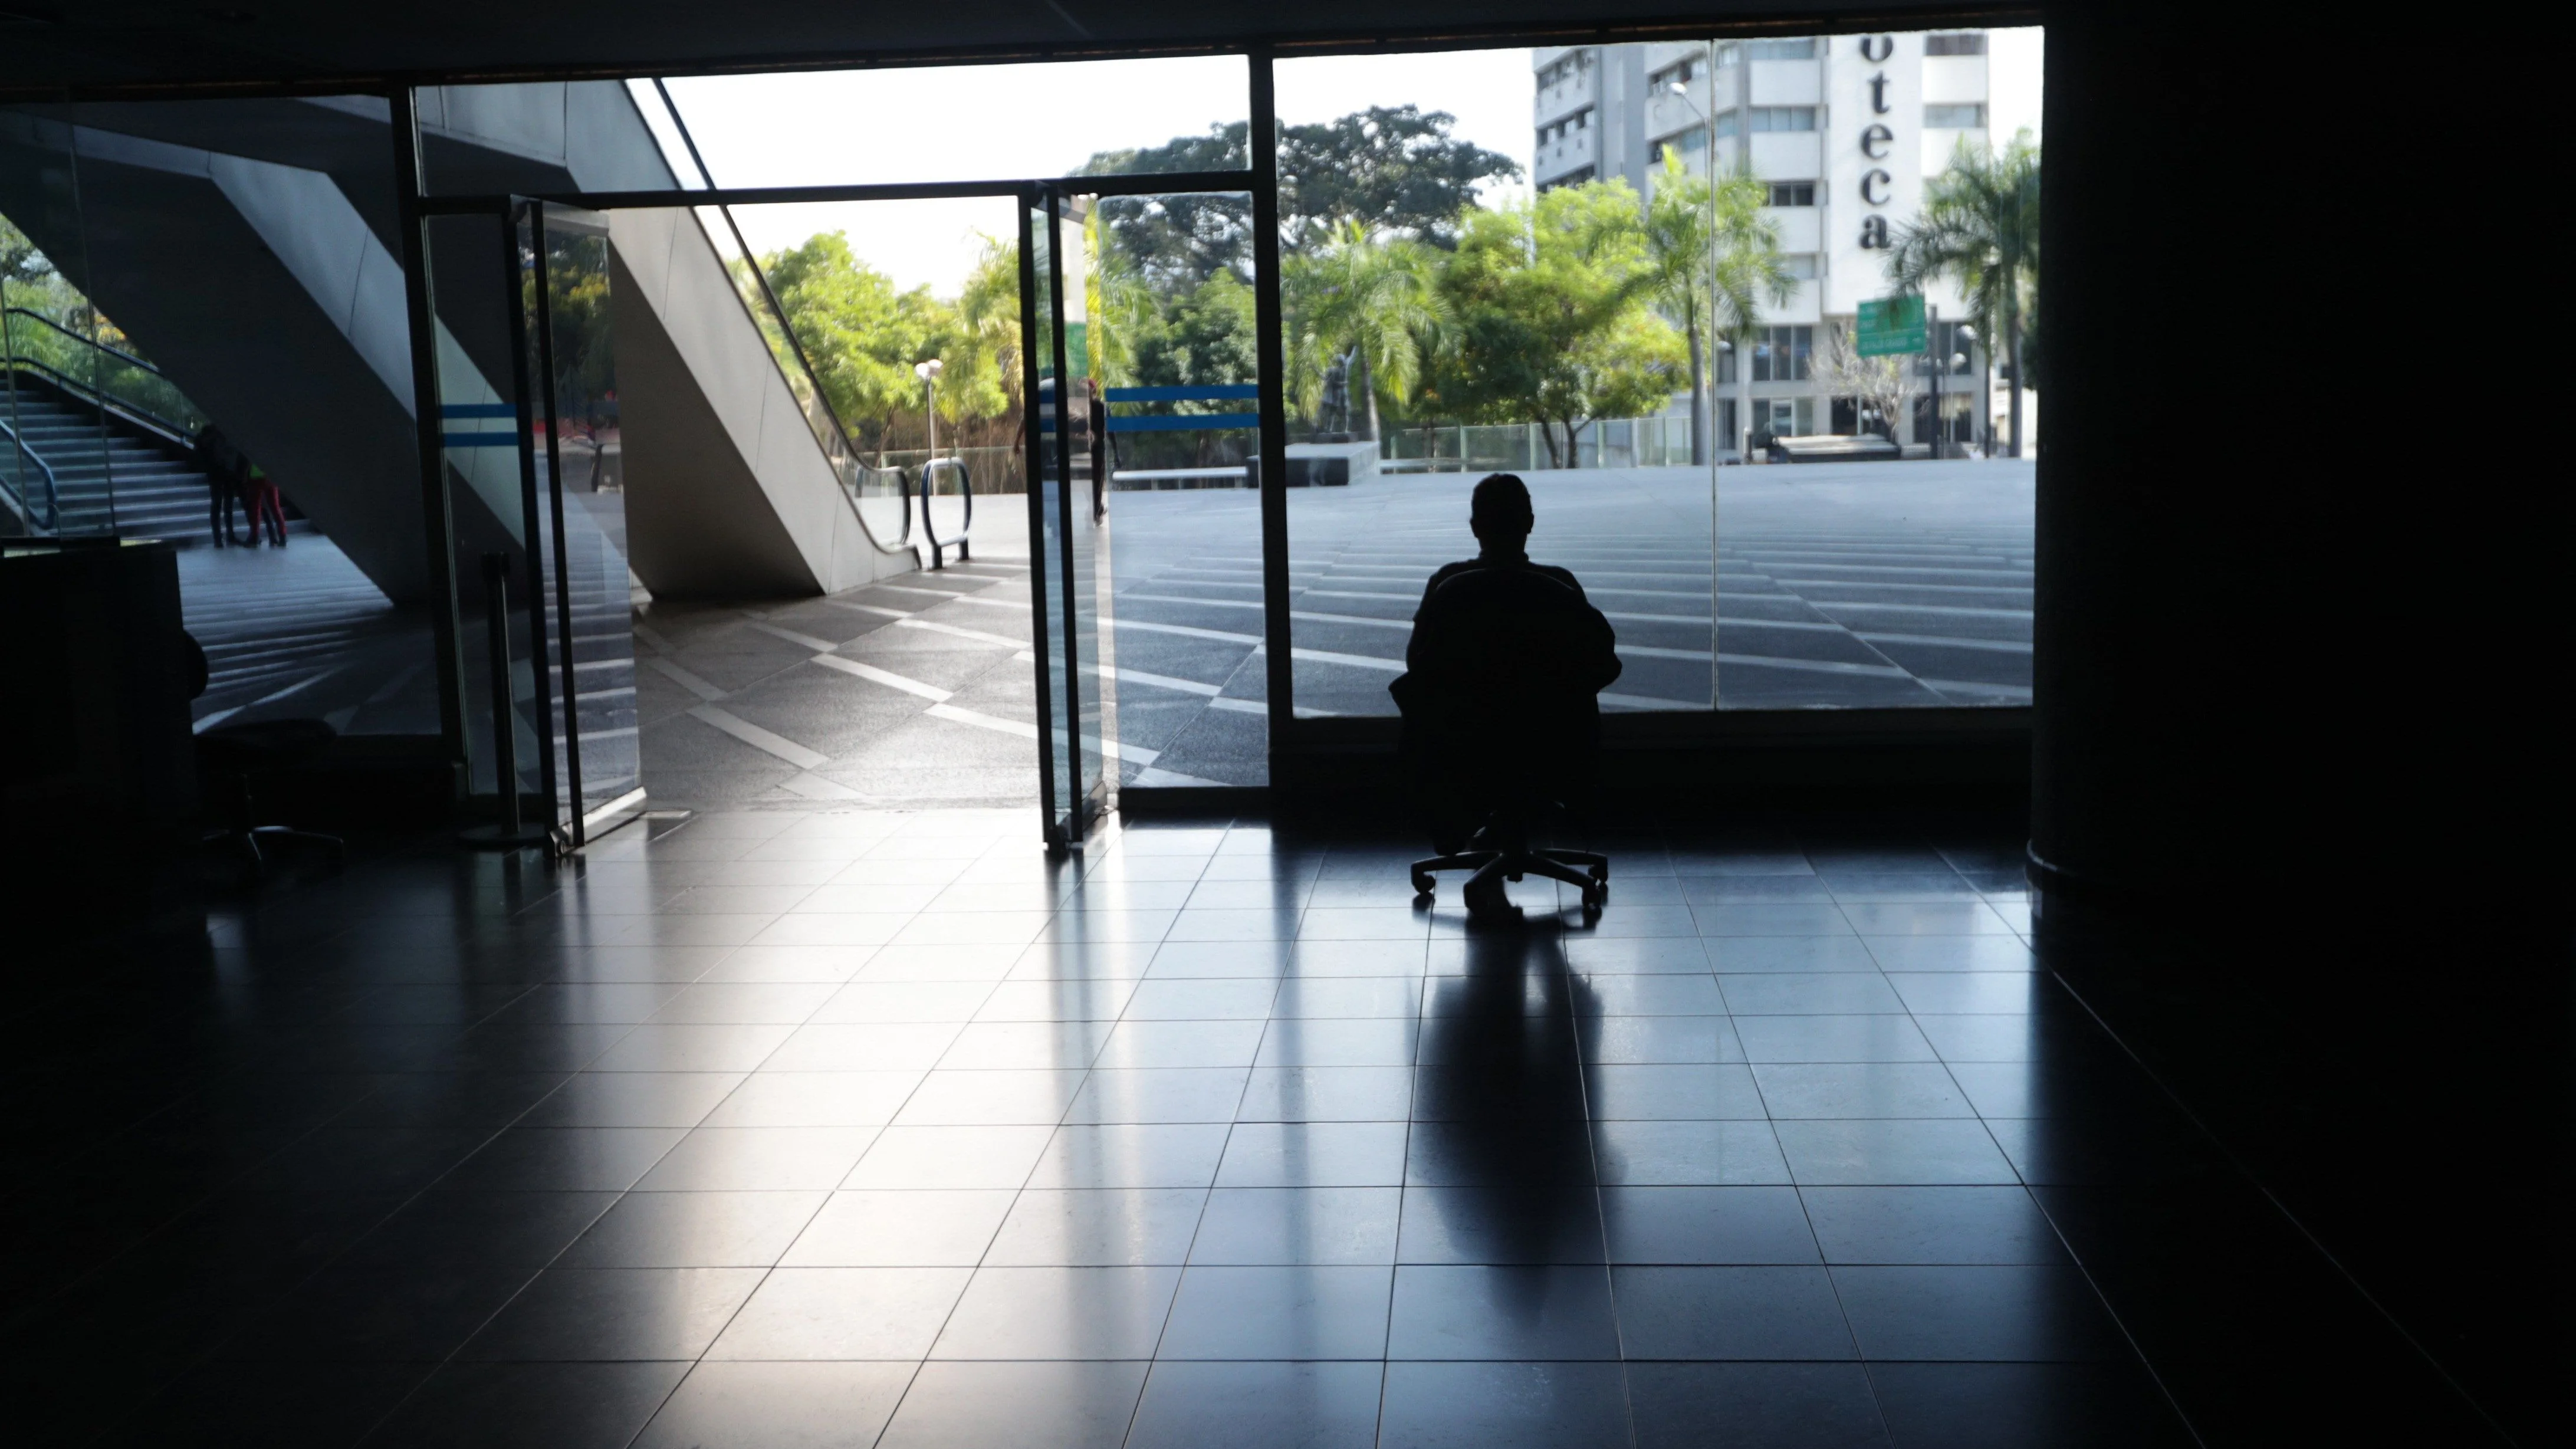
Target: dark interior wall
<point x="2299" y="733"/>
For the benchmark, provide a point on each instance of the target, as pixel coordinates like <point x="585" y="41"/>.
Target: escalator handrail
<point x="840" y="432"/>
<point x="175" y="433"/>
<point x="19" y="447"/>
<point x="119" y="353"/>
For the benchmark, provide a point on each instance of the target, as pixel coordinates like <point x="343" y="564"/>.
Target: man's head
<point x="1501" y="515"/>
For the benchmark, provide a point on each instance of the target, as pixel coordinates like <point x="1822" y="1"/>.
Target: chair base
<point x="250" y="840"/>
<point x="1583" y="868"/>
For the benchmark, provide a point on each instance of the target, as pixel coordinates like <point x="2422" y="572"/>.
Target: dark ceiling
<point x="48" y="45"/>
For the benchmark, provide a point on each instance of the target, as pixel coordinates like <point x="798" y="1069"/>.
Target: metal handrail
<point x="902" y="490"/>
<point x="963" y="542"/>
<point x="837" y="447"/>
<point x="17" y="484"/>
<point x="119" y="353"/>
<point x="133" y="412"/>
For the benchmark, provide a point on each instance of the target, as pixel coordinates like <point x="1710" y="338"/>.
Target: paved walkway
<point x="1861" y="585"/>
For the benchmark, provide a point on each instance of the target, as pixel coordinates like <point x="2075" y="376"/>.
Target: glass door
<point x="579" y="522"/>
<point x="1075" y="738"/>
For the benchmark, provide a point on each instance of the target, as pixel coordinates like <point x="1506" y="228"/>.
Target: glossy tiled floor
<point x="850" y="1129"/>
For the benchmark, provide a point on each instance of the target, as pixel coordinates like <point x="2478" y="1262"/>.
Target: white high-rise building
<point x="1844" y="129"/>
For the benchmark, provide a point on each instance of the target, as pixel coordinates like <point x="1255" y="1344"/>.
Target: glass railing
<point x="98" y="373"/>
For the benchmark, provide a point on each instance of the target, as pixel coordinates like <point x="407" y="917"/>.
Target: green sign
<point x="1892" y="325"/>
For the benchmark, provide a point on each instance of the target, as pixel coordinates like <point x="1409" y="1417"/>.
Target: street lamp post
<point x="1967" y="340"/>
<point x="928" y="372"/>
<point x="1708" y="167"/>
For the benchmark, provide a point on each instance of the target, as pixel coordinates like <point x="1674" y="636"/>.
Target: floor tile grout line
<point x="1600" y="1206"/>
<point x="1206" y="1194"/>
<point x="1018" y="1194"/>
<point x="897" y="1112"/>
<point x="2022" y="1180"/>
<point x="2175" y="1099"/>
<point x="1807" y="1214"/>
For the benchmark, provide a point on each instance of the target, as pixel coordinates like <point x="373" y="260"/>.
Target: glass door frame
<point x="1301" y="751"/>
<point x="1064" y="828"/>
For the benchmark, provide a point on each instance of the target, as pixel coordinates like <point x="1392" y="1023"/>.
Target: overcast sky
<point x="1005" y="121"/>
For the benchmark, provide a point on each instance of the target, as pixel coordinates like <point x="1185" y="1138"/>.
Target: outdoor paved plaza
<point x="1842" y="586"/>
<point x="1857" y="585"/>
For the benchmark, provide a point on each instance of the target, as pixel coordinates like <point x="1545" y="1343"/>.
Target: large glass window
<point x="1647" y="435"/>
<point x="969" y="123"/>
<point x="207" y="343"/>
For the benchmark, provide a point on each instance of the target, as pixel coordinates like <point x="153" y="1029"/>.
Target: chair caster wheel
<point x="1421" y="883"/>
<point x="1594" y="897"/>
<point x="1601" y="874"/>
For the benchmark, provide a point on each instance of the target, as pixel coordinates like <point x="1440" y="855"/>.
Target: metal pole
<point x="420" y="313"/>
<point x="1940" y="359"/>
<point x="510" y="833"/>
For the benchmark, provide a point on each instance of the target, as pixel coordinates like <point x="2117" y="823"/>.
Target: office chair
<point x="1501" y="724"/>
<point x="1506" y="854"/>
<point x="236" y="753"/>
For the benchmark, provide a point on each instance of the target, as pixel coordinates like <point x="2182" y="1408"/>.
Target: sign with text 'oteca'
<point x="1891" y="325"/>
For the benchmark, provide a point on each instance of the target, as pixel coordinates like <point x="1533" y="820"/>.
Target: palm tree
<point x="1373" y="299"/>
<point x="1980" y="228"/>
<point x="1715" y="259"/>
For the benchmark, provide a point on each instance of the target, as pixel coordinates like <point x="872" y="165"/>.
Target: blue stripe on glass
<point x="1181" y="394"/>
<point x="1193" y="423"/>
<point x="478" y="440"/>
<point x="478" y="410"/>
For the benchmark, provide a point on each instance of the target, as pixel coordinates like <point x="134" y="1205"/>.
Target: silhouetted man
<point x="1499" y="696"/>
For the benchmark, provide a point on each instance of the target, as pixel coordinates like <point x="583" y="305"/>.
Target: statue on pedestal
<point x="1333" y="418"/>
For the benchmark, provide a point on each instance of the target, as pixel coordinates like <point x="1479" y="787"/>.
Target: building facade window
<point x="1579" y="121"/>
<point x="1575" y="177"/>
<point x="1966" y="117"/>
<point x="1802" y="48"/>
<point x="1567" y="69"/>
<point x="1793" y="193"/>
<point x="1688" y="143"/>
<point x="1673" y="75"/>
<point x="1782" y="118"/>
<point x="1801" y="265"/>
<point x="1971" y="43"/>
<point x="1782" y="354"/>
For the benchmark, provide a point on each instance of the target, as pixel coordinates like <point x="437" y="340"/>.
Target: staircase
<point x="136" y="486"/>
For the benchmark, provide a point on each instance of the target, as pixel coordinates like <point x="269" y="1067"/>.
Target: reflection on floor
<point x="879" y="1128"/>
<point x="1859" y="585"/>
<point x="298" y="633"/>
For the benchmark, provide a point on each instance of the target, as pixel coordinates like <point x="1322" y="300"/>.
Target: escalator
<point x="252" y="250"/>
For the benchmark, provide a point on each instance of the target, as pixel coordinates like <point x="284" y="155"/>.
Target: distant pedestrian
<point x="222" y="463"/>
<point x="1096" y="423"/>
<point x="260" y="494"/>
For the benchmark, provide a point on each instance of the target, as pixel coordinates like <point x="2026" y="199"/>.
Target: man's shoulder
<point x="1448" y="571"/>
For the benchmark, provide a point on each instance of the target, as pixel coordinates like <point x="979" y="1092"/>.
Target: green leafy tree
<point x="1549" y="311"/>
<point x="861" y="334"/>
<point x="982" y="381"/>
<point x="1375" y="300"/>
<point x="1395" y="170"/>
<point x="1980" y="229"/>
<point x="1716" y="260"/>
<point x="1207" y="338"/>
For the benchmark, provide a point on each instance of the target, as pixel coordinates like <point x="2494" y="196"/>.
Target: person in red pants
<point x="260" y="492"/>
